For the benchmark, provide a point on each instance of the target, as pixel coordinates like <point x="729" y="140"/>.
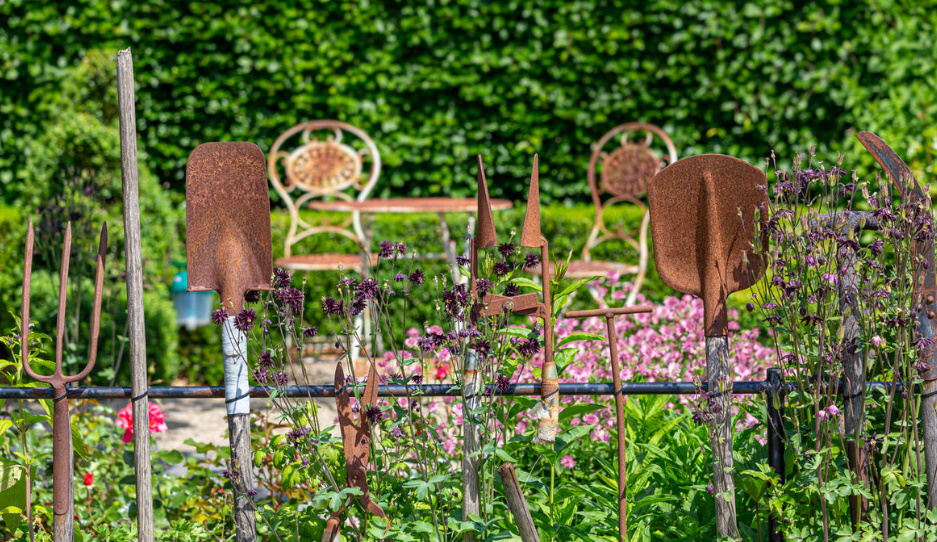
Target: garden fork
<point x="62" y="498"/>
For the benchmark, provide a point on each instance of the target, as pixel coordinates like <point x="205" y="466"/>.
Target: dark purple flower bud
<point x="251" y="296"/>
<point x="374" y="414"/>
<point x="416" y="277"/>
<point x="511" y="290"/>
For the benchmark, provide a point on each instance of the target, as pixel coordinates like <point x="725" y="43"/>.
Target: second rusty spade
<point x="703" y="212"/>
<point x="228" y="249"/>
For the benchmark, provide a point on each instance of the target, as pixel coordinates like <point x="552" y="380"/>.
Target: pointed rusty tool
<point x="609" y="315"/>
<point x="63" y="499"/>
<point x="703" y="223"/>
<point x="356" y="443"/>
<point x="488" y="305"/>
<point x="547" y="410"/>
<point x="229" y="249"/>
<point x="923" y="301"/>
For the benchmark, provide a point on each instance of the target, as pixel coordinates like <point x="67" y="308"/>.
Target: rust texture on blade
<point x="356" y="443"/>
<point x="228" y="243"/>
<point x="530" y="232"/>
<point x="62" y="483"/>
<point x="703" y="224"/>
<point x="487" y="237"/>
<point x="924" y="297"/>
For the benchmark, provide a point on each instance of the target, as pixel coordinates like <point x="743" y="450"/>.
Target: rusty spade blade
<point x="356" y="443"/>
<point x="228" y="221"/>
<point x="703" y="219"/>
<point x="487" y="237"/>
<point x="702" y="246"/>
<point x="530" y="232"/>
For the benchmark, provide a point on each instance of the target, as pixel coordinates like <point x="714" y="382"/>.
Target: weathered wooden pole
<point x="517" y="504"/>
<point x="133" y="256"/>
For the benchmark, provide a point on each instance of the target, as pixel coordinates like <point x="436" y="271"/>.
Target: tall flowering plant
<point x="416" y="440"/>
<point x="839" y="302"/>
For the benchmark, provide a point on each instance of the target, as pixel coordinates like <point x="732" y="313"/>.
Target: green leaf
<point x="579" y="336"/>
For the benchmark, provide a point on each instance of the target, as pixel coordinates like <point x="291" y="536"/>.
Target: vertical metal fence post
<point x="774" y="402"/>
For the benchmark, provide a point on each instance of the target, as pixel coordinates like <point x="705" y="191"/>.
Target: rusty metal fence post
<point x="774" y="403"/>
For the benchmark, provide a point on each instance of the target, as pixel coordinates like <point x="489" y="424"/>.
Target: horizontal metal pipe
<point x="428" y="390"/>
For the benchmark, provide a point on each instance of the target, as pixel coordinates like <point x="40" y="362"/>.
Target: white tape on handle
<point x="236" y="385"/>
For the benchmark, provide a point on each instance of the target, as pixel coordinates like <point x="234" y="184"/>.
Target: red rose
<point x="89" y="479"/>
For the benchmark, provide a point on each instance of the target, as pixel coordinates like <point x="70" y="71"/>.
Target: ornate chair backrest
<point x="323" y="165"/>
<point x="624" y="173"/>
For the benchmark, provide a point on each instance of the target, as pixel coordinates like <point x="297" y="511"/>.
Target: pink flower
<point x="822" y="415"/>
<point x="443" y="354"/>
<point x="877" y="341"/>
<point x="434" y="330"/>
<point x="125" y="421"/>
<point x="590" y="419"/>
<point x="567" y="462"/>
<point x="832" y="411"/>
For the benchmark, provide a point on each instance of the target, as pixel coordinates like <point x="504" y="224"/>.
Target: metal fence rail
<point x="773" y="387"/>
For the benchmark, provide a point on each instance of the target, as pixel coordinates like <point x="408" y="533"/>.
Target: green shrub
<point x="435" y="84"/>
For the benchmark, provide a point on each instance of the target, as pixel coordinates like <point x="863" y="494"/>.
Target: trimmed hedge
<point x="438" y="83"/>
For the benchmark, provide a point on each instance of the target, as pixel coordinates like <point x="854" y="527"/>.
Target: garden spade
<point x="229" y="250"/>
<point x="923" y="301"/>
<point x="702" y="219"/>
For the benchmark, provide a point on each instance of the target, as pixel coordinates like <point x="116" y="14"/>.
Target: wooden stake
<point x="133" y="255"/>
<point x="517" y="504"/>
<point x="717" y="370"/>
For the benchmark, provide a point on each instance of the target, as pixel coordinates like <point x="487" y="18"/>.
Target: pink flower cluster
<point x="665" y="345"/>
<point x="125" y="421"/>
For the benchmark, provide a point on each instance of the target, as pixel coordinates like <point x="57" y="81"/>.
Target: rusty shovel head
<point x="228" y="243"/>
<point x="703" y="223"/>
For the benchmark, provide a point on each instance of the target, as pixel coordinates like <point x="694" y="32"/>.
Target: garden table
<point x="439" y="205"/>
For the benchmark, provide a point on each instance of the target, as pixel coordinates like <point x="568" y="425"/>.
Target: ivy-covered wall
<point x="437" y="83"/>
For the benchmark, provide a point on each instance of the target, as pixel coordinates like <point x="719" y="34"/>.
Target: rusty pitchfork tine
<point x="62" y="496"/>
<point x="60" y="321"/>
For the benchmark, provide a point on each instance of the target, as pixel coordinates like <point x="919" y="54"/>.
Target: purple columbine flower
<point x="501" y="269"/>
<point x="281" y="277"/>
<point x="265" y="359"/>
<point x="251" y="296"/>
<point x="367" y="289"/>
<point x="506" y="249"/>
<point x="400" y="277"/>
<point x="310" y="332"/>
<point x="416" y="277"/>
<point x="330" y="305"/>
<point x="244" y="321"/>
<point x="219" y="316"/>
<point x="531" y="260"/>
<point x="374" y="414"/>
<point x="512" y="290"/>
